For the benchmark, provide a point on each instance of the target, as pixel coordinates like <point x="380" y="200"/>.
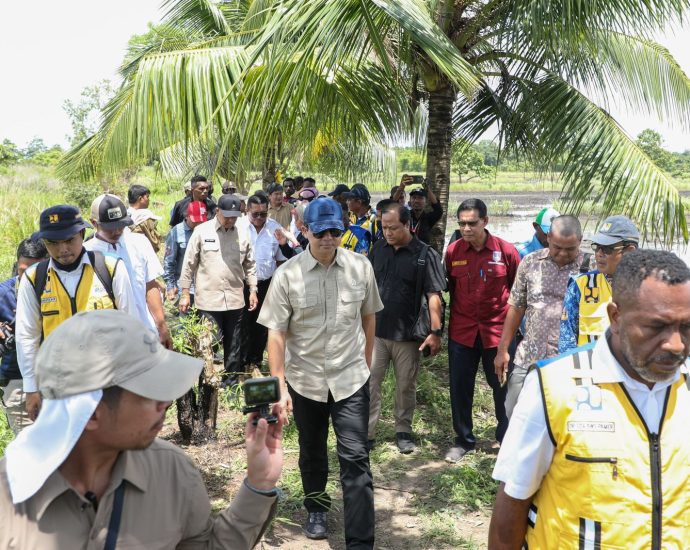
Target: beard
<point x="643" y="368"/>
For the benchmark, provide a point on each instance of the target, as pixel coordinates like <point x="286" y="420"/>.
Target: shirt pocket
<point x="350" y="304"/>
<point x="309" y="311"/>
<point x="210" y="246"/>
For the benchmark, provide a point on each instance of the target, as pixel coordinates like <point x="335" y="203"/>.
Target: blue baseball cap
<point x="324" y="213"/>
<point x="59" y="223"/>
<point x="616" y="229"/>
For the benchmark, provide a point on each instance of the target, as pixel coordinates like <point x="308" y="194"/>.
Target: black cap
<point x="358" y="191"/>
<point x="110" y="212"/>
<point x="60" y="222"/>
<point x="419" y="192"/>
<point x="229" y="206"/>
<point x="339" y="190"/>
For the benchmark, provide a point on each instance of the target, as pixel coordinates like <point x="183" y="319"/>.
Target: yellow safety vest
<point x="611" y="483"/>
<point x="595" y="295"/>
<point x="56" y="303"/>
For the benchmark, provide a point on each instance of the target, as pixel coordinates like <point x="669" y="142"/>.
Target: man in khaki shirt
<point x="90" y="473"/>
<point x="278" y="210"/>
<point x="219" y="259"/>
<point x="320" y="311"/>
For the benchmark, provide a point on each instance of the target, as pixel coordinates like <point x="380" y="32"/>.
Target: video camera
<point x="259" y="393"/>
<point x="7" y="342"/>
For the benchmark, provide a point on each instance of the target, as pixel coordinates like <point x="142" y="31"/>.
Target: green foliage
<point x="81" y="194"/>
<point x="6" y="434"/>
<point x="9" y="153"/>
<point x="85" y="114"/>
<point x="467" y="159"/>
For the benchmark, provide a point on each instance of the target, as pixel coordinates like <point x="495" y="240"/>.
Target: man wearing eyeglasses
<point x="219" y="260"/>
<point x="262" y="232"/>
<point x="320" y="312"/>
<point x="481" y="269"/>
<point x="584" y="316"/>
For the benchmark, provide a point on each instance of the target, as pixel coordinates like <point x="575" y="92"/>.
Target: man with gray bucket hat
<point x="90" y="472"/>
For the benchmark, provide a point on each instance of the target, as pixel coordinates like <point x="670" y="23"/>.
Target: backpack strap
<point x="97" y="260"/>
<point x="421" y="274"/>
<point x="40" y="278"/>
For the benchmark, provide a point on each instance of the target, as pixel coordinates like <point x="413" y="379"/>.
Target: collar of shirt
<point x="413" y="246"/>
<point x="607" y="370"/>
<point x="543" y="254"/>
<point x="491" y="243"/>
<point x="310" y="262"/>
<point x="125" y="468"/>
<point x="218" y="226"/>
<point x="84" y="260"/>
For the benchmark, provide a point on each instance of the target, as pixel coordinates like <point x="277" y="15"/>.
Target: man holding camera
<point x="29" y="252"/>
<point x="91" y="473"/>
<point x="422" y="219"/>
<point x="320" y="312"/>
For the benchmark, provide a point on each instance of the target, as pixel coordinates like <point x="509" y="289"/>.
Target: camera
<point x="7" y="342"/>
<point x="259" y="393"/>
<point x="418" y="179"/>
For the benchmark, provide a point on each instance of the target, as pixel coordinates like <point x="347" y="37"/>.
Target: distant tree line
<point x="36" y="152"/>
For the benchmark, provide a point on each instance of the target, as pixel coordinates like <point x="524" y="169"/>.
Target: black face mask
<point x="74" y="265"/>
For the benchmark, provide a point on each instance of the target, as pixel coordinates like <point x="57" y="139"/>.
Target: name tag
<point x="458" y="262"/>
<point x="209" y="240"/>
<point x="591" y="426"/>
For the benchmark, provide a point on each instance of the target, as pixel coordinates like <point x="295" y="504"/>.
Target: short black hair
<point x="310" y="180"/>
<point x="197" y="179"/>
<point x="111" y="397"/>
<point x="289" y="179"/>
<point x="395" y="206"/>
<point x="472" y="204"/>
<point x="135" y="191"/>
<point x="382" y="204"/>
<point x="257" y="199"/>
<point x="639" y="265"/>
<point x="32" y="248"/>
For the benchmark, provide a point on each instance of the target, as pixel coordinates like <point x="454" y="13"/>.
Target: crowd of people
<point x="582" y="352"/>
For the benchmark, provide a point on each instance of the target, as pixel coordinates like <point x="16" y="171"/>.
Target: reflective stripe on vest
<point x="595" y="295"/>
<point x="612" y="483"/>
<point x="56" y="303"/>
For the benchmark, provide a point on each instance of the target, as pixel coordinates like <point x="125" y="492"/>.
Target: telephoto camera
<point x="7" y="343"/>
<point x="259" y="394"/>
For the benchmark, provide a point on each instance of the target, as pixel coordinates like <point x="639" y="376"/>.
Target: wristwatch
<point x="438" y="332"/>
<point x="253" y="289"/>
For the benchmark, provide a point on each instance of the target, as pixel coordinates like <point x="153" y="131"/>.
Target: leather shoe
<point x="317" y="526"/>
<point x="404" y="442"/>
<point x="455" y="453"/>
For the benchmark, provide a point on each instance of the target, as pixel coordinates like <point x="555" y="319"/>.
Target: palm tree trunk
<point x="439" y="140"/>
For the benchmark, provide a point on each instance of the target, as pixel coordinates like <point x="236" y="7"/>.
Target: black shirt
<point x="421" y="226"/>
<point x="396" y="276"/>
<point x="179" y="211"/>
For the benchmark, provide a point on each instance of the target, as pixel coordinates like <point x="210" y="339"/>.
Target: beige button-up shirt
<point x="321" y="310"/>
<point x="282" y="214"/>
<point x="218" y="261"/>
<point x="165" y="506"/>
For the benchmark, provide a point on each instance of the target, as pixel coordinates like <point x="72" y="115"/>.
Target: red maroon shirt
<point x="479" y="284"/>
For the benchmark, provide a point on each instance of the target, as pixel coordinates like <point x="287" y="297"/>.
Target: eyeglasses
<point x="259" y="214"/>
<point x="335" y="233"/>
<point x="470" y="224"/>
<point x="607" y="250"/>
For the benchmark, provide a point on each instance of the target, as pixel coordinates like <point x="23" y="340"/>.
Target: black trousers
<point x="463" y="362"/>
<point x="254" y="335"/>
<point x="230" y="330"/>
<point x="350" y="418"/>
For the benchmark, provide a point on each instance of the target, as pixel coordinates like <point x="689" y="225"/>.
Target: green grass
<point x="6" y="434"/>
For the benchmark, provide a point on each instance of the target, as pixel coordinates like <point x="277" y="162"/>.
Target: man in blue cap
<point x="542" y="225"/>
<point x="320" y="312"/>
<point x="53" y="290"/>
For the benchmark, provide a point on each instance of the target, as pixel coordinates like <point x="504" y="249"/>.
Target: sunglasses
<point x="259" y="214"/>
<point x="469" y="224"/>
<point x="335" y="233"/>
<point x="607" y="250"/>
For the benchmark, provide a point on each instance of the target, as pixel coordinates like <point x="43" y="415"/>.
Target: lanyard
<point x="115" y="517"/>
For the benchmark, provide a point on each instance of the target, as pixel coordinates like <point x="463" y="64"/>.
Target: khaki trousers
<point x="406" y="358"/>
<point x="13" y="401"/>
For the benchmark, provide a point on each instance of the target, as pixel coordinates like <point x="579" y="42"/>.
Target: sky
<point x="52" y="50"/>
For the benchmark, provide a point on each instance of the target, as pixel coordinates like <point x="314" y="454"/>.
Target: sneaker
<point x="455" y="453"/>
<point x="404" y="442"/>
<point x="370" y="444"/>
<point x="317" y="526"/>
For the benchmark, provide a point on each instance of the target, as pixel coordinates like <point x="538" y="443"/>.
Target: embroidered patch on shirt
<point x="497" y="256"/>
<point x="459" y="262"/>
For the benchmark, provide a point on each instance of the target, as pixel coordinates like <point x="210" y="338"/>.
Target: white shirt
<point x="142" y="265"/>
<point x="527" y="451"/>
<point x="29" y="326"/>
<point x="266" y="248"/>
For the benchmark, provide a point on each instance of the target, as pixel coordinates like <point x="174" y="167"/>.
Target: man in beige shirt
<point x="219" y="259"/>
<point x="320" y="311"/>
<point x="278" y="210"/>
<point x="90" y="473"/>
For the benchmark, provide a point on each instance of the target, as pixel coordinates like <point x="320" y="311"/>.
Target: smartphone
<point x="417" y="179"/>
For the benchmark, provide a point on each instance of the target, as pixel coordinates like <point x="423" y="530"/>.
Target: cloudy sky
<point x="52" y="50"/>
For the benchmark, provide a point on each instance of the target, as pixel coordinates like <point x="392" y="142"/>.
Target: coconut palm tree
<point x="351" y="74"/>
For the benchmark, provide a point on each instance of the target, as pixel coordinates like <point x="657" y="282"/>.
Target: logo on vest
<point x="588" y="398"/>
<point x="589" y="426"/>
